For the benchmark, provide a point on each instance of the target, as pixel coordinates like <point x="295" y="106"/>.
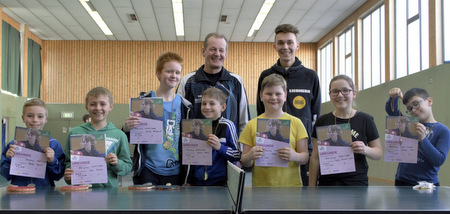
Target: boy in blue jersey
<point x="224" y="142"/>
<point x="159" y="164"/>
<point x="35" y="115"/>
<point x="434" y="137"/>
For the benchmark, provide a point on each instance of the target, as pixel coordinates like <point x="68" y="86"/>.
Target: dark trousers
<point x="148" y="176"/>
<point x="323" y="182"/>
<point x="304" y="171"/>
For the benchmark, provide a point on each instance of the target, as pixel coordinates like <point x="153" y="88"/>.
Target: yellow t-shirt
<point x="276" y="176"/>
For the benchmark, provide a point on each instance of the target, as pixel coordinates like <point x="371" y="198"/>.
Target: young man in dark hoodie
<point x="303" y="87"/>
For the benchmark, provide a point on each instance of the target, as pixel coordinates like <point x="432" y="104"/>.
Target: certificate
<point x="402" y="126"/>
<point x="88" y="170"/>
<point x="28" y="163"/>
<point x="270" y="156"/>
<point x="400" y="149"/>
<point x="336" y="159"/>
<point x="148" y="132"/>
<point x="194" y="147"/>
<point x="335" y="154"/>
<point x="87" y="157"/>
<point x="196" y="152"/>
<point x="30" y="160"/>
<point x="150" y="113"/>
<point x="272" y="134"/>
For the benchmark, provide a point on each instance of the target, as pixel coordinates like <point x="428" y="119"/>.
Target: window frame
<point x="380" y="10"/>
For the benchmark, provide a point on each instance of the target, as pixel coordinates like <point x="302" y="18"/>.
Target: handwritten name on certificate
<point x="270" y="156"/>
<point x="336" y="159"/>
<point x="400" y="149"/>
<point x="196" y="152"/>
<point x="28" y="163"/>
<point x="88" y="169"/>
<point x="148" y="132"/>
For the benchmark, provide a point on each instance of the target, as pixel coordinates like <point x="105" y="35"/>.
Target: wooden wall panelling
<point x="72" y="68"/>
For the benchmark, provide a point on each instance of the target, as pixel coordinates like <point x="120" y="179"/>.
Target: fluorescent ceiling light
<point x="96" y="17"/>
<point x="177" y="7"/>
<point x="265" y="9"/>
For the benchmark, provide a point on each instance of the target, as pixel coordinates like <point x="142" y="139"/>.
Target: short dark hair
<point x="86" y="117"/>
<point x="343" y="77"/>
<point x="415" y="92"/>
<point x="287" y="28"/>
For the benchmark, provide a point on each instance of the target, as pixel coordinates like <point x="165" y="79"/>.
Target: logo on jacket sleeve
<point x="299" y="102"/>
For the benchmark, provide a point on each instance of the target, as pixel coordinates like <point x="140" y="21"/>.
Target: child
<point x="334" y="134"/>
<point x="35" y="116"/>
<point x="434" y="137"/>
<point x="273" y="131"/>
<point x="273" y="96"/>
<point x="88" y="143"/>
<point x="159" y="164"/>
<point x="223" y="142"/>
<point x="365" y="139"/>
<point x="99" y="102"/>
<point x="402" y="124"/>
<point x="33" y="136"/>
<point x="197" y="130"/>
<point x="86" y="118"/>
<point x="146" y="111"/>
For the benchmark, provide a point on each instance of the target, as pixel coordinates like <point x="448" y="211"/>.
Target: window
<point x="373" y="50"/>
<point x="412" y="49"/>
<point x="345" y="53"/>
<point x="446" y="29"/>
<point x="325" y="69"/>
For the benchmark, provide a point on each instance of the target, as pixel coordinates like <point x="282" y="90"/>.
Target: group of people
<point x="286" y="91"/>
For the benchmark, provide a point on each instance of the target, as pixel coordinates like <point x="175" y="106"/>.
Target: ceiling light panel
<point x="96" y="17"/>
<point x="265" y="9"/>
<point x="177" y="7"/>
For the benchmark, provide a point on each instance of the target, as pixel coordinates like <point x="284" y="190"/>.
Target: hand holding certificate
<point x="401" y="143"/>
<point x="335" y="153"/>
<point x="150" y="113"/>
<point x="29" y="159"/>
<point x="273" y="135"/>
<point x="87" y="156"/>
<point x="195" y="149"/>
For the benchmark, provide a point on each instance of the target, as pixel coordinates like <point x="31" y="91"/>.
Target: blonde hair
<point x="97" y="91"/>
<point x="273" y="80"/>
<point x="215" y="93"/>
<point x="35" y="102"/>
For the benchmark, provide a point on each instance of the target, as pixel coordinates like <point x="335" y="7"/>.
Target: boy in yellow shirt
<point x="273" y="96"/>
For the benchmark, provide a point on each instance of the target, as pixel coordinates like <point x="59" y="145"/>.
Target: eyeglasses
<point x="414" y="105"/>
<point x="336" y="92"/>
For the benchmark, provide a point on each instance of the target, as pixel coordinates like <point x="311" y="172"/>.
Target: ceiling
<point x="67" y="19"/>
